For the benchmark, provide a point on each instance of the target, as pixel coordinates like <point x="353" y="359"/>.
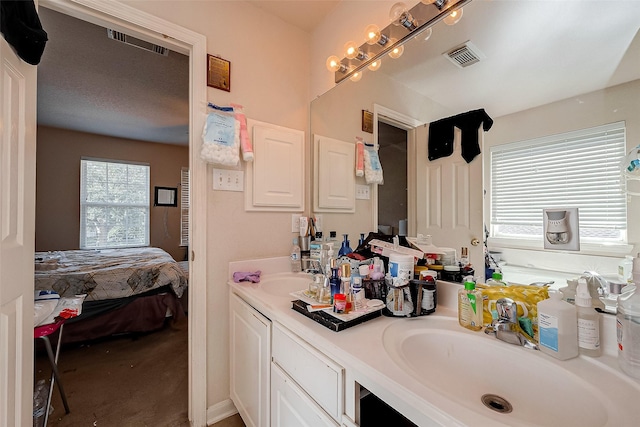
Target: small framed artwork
<point x="166" y="196"/>
<point x="561" y="229"/>
<point x="218" y="73"/>
<point x="367" y="121"/>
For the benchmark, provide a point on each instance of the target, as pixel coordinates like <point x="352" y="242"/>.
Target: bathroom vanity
<point x="287" y="370"/>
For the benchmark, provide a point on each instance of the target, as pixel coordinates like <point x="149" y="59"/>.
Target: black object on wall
<point x="21" y="28"/>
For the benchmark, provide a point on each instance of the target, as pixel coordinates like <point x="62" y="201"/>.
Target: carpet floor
<point x="130" y="381"/>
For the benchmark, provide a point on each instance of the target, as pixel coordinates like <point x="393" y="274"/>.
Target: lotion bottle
<point x="558" y="327"/>
<point x="470" y="307"/>
<point x="588" y="322"/>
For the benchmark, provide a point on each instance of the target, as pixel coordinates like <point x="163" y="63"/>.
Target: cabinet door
<point x="275" y="178"/>
<point x="334" y="175"/>
<point x="250" y="353"/>
<point x="291" y="406"/>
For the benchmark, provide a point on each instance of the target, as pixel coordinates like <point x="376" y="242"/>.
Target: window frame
<point x="83" y="204"/>
<point x="588" y="246"/>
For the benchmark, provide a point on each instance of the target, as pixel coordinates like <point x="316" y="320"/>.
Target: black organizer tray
<point x="329" y="321"/>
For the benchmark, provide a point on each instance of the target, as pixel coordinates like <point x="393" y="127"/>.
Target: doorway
<point x="393" y="194"/>
<point x="140" y="24"/>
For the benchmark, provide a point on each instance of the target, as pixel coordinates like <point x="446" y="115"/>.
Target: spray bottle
<point x="588" y="322"/>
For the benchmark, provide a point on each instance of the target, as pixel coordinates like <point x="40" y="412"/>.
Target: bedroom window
<point x="114" y="204"/>
<point x="575" y="169"/>
<point x="184" y="207"/>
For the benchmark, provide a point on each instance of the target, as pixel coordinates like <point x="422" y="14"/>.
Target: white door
<point x="449" y="200"/>
<point x="17" y="235"/>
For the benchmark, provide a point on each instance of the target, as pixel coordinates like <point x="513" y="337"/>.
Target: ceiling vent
<point x="464" y="55"/>
<point x="132" y="41"/>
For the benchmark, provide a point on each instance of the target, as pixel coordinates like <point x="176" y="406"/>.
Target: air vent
<point x="132" y="41"/>
<point x="464" y="55"/>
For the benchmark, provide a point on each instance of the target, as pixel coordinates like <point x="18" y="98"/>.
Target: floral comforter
<point x="107" y="273"/>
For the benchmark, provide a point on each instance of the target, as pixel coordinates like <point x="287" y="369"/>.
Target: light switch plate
<point x="363" y="192"/>
<point x="295" y="223"/>
<point x="228" y="180"/>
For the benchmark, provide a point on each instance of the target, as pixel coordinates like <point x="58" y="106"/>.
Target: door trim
<point x="183" y="40"/>
<point x="402" y="121"/>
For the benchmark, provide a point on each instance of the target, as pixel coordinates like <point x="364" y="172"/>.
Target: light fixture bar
<point x="427" y="16"/>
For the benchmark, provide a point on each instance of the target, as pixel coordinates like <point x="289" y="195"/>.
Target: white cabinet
<point x="275" y="177"/>
<point x="250" y="357"/>
<point x="334" y="175"/>
<point x="291" y="406"/>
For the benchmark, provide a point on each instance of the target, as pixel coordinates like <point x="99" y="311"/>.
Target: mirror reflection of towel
<point x="441" y="134"/>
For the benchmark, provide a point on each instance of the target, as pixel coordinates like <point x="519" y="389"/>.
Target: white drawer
<point x="318" y="375"/>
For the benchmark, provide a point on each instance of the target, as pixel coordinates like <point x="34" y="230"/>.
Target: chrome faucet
<point x="507" y="328"/>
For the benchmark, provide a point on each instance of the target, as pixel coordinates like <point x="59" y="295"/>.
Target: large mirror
<point x="544" y="68"/>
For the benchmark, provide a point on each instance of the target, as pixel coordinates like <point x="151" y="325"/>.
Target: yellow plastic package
<point x="525" y="296"/>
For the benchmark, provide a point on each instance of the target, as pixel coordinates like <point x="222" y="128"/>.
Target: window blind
<point x="576" y="169"/>
<point x="114" y="204"/>
<point x="184" y="207"/>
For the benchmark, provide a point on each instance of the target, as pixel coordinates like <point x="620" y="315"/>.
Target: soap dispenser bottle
<point x="588" y="322"/>
<point x="470" y="307"/>
<point x="558" y="327"/>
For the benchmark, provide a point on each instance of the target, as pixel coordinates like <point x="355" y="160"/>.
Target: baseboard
<point x="220" y="411"/>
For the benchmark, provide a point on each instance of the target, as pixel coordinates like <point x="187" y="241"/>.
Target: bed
<point x="128" y="290"/>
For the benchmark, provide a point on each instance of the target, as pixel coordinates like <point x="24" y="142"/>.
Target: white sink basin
<point x="282" y="284"/>
<point x="464" y="366"/>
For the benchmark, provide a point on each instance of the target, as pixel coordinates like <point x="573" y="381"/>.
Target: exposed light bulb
<point x="352" y="51"/>
<point x="356" y="76"/>
<point x="399" y="15"/>
<point x="333" y="64"/>
<point x="397" y="51"/>
<point x="375" y="65"/>
<point x="453" y="17"/>
<point x="372" y="34"/>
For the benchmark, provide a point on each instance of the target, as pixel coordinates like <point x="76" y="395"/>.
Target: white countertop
<point x="360" y="351"/>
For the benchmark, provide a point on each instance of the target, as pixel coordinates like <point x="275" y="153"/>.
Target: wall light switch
<point x="363" y="192"/>
<point x="228" y="180"/>
<point x="295" y="223"/>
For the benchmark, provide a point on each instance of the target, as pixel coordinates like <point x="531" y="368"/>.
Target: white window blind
<point x="576" y="169"/>
<point x="114" y="204"/>
<point x="184" y="207"/>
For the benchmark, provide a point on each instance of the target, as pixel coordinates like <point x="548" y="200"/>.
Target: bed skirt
<point x="137" y="314"/>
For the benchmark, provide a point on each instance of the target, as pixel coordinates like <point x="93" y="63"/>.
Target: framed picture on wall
<point x="218" y="73"/>
<point x="166" y="196"/>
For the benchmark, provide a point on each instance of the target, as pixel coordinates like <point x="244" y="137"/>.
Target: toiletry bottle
<point x="295" y="256"/>
<point x="470" y="307"/>
<point x="558" y="327"/>
<point x="496" y="280"/>
<point x="588" y="322"/>
<point x="334" y="280"/>
<point x="628" y="327"/>
<point x="625" y="268"/>
<point x="345" y="249"/>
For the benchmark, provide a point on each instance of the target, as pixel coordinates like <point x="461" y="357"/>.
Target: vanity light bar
<point x="427" y="15"/>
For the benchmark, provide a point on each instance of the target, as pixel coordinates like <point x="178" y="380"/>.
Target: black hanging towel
<point x="21" y="28"/>
<point x="441" y="134"/>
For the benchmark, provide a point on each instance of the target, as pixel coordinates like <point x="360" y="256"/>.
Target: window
<point x="114" y="204"/>
<point x="184" y="207"/>
<point x="576" y="169"/>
